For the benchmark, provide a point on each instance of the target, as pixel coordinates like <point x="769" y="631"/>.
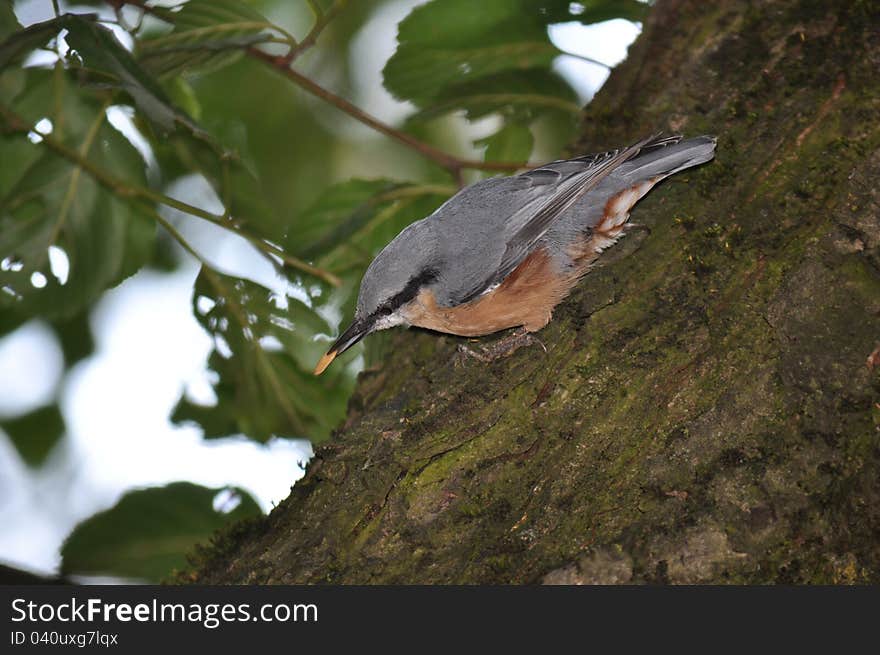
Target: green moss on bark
<point x="704" y="411"/>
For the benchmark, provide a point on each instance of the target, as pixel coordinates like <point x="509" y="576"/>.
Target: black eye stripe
<point x="409" y="292"/>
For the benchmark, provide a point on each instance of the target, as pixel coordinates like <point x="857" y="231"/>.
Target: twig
<point x="177" y="236"/>
<point x="453" y="164"/>
<point x="322" y="19"/>
<point x="16" y="124"/>
<point x="586" y="59"/>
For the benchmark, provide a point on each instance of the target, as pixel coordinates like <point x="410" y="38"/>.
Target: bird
<point x="503" y="252"/>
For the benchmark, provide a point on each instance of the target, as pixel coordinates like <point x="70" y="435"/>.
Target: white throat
<point x="390" y="321"/>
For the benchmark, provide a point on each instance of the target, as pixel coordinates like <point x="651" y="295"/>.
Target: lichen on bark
<point x="704" y="411"/>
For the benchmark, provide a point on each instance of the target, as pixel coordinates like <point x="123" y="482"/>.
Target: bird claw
<point x="464" y="353"/>
<point x="499" y="349"/>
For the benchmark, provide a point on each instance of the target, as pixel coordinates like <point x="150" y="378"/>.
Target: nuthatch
<point x="504" y="252"/>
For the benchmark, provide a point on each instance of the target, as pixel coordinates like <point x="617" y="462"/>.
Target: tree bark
<point x="708" y="406"/>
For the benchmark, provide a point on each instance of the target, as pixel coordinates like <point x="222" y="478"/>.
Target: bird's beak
<point x="355" y="332"/>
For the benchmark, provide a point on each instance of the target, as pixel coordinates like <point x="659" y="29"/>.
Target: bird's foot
<point x="502" y="348"/>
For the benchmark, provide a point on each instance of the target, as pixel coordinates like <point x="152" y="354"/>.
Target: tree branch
<point x="15" y="123"/>
<point x="450" y="162"/>
<point x="455" y="165"/>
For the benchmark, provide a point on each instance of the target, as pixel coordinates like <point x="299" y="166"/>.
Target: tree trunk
<point x="708" y="406"/>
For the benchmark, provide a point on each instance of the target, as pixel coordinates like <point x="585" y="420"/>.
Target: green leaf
<point x="452" y="56"/>
<point x="447" y="42"/>
<point x="317" y="228"/>
<point x="230" y="172"/>
<point x="21" y="42"/>
<point x="207" y="35"/>
<point x="184" y="96"/>
<point x="12" y="82"/>
<point x="103" y="54"/>
<point x="513" y="142"/>
<point x="75" y="338"/>
<point x="148" y="533"/>
<point x="45" y="201"/>
<point x="265" y="349"/>
<point x="351" y="221"/>
<point x="35" y="434"/>
<point x="8" y="22"/>
<point x="521" y="95"/>
<point x="370" y="231"/>
<point x="18" y="156"/>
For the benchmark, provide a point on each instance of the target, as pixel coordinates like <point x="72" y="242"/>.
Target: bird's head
<point x="393" y="280"/>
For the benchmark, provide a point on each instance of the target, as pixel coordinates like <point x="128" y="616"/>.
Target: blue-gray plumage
<point x="503" y="252"/>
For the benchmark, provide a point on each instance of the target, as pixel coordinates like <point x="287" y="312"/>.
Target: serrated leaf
<point x="35" y="434"/>
<point x="103" y="54"/>
<point x="318" y="227"/>
<point x="452" y="24"/>
<point x="419" y="73"/>
<point x="12" y="82"/>
<point x="207" y="35"/>
<point x="447" y="42"/>
<point x="149" y="532"/>
<point x="448" y="53"/>
<point x="20" y="42"/>
<point x="513" y="142"/>
<point x="264" y="351"/>
<point x="353" y="220"/>
<point x="18" y="156"/>
<point x="371" y="231"/>
<point x="48" y="202"/>
<point x="515" y="94"/>
<point x="231" y="174"/>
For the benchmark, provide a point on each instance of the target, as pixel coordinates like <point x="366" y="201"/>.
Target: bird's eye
<point x="385" y="311"/>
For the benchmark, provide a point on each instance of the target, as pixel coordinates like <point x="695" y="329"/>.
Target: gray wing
<point x="494" y="225"/>
<point x="568" y="192"/>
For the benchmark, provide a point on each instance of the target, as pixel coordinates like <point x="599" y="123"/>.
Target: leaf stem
<point x="69" y="195"/>
<point x="177" y="236"/>
<point x="322" y="19"/>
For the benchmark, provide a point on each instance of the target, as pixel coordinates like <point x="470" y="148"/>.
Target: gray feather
<point x="571" y="186"/>
<point x="475" y="239"/>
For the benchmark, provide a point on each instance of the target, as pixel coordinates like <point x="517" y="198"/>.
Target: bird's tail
<point x="667" y="156"/>
<point x="608" y="212"/>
